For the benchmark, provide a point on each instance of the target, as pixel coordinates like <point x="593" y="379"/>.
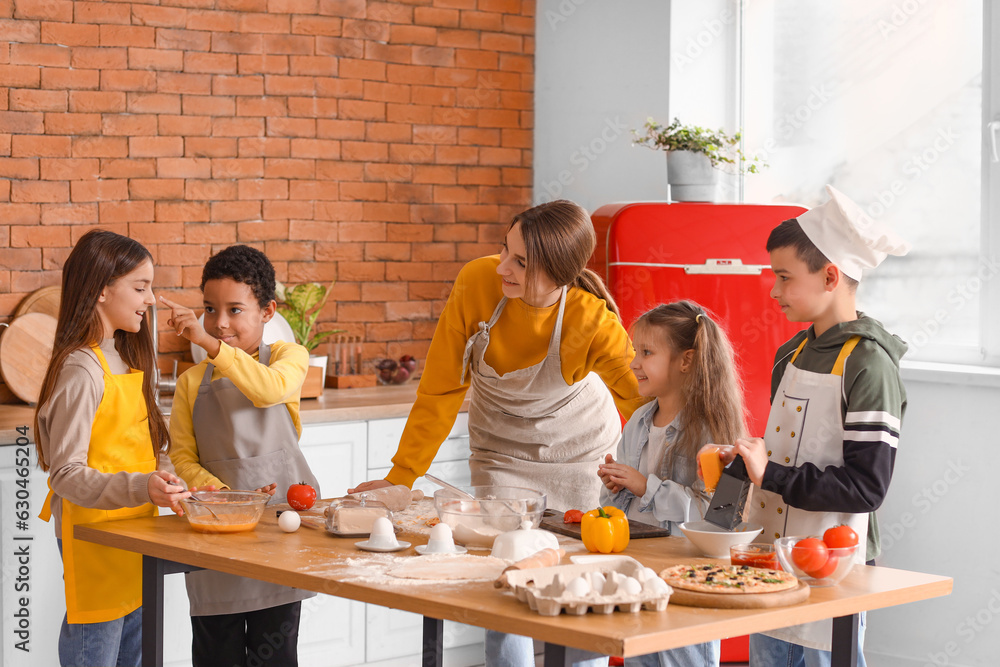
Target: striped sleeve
<point x="871" y="426"/>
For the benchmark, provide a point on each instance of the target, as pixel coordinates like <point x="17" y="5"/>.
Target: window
<point x="891" y="103"/>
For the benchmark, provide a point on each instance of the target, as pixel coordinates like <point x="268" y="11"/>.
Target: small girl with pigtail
<point x="684" y="360"/>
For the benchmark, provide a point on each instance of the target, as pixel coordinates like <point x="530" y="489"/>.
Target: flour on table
<point x="418" y="518"/>
<point x="450" y="567"/>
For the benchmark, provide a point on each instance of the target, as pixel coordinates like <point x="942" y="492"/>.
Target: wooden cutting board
<point x="25" y="350"/>
<point x="44" y="300"/>
<point x="552" y="521"/>
<point x="748" y="601"/>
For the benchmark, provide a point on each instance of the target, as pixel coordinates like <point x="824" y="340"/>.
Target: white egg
<point x="441" y="531"/>
<point x="655" y="586"/>
<point x="630" y="586"/>
<point x="597" y="580"/>
<point x="647" y="573"/>
<point x="289" y="521"/>
<point x="382" y="527"/>
<point x="578" y="587"/>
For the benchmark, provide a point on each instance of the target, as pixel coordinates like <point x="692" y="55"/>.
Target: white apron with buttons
<point x="530" y="428"/>
<point x="806" y="426"/>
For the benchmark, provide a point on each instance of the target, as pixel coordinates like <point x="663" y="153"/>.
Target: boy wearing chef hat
<point x="837" y="400"/>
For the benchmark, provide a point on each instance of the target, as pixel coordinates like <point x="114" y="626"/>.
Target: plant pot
<point x="691" y="177"/>
<point x="320" y="360"/>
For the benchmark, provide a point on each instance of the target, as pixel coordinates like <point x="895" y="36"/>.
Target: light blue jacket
<point x="672" y="496"/>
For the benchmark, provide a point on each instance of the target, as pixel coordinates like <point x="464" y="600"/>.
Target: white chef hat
<point x="848" y="236"/>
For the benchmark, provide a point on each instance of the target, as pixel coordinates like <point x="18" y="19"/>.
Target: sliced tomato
<point x="810" y="554"/>
<point x="840" y="537"/>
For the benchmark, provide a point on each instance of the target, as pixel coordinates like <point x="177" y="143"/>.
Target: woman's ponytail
<point x="589" y="281"/>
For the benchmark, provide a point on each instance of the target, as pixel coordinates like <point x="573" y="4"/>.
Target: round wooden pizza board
<point x="25" y="350"/>
<point x="741" y="601"/>
<point x="44" y="300"/>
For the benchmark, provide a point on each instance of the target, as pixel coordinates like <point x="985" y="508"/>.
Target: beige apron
<point x="792" y="440"/>
<point x="530" y="428"/>
<point x="248" y="450"/>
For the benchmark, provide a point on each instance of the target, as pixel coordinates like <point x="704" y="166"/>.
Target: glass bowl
<point x="492" y="510"/>
<point x="755" y="555"/>
<point x="224" y="511"/>
<point x="839" y="562"/>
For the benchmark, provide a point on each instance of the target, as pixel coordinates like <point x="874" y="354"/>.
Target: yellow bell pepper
<point x="604" y="530"/>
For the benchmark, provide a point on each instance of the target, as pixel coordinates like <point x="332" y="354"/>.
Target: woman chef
<point x="536" y="335"/>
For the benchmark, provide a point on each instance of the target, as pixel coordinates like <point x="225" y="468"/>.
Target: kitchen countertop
<point x="335" y="405"/>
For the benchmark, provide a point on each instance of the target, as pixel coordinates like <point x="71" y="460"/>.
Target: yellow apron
<point x="103" y="583"/>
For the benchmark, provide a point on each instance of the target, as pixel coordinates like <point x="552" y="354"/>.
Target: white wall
<point x="599" y="72"/>
<point x="940" y="517"/>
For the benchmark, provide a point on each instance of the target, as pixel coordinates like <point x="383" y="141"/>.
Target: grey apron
<point x="248" y="450"/>
<point x="530" y="428"/>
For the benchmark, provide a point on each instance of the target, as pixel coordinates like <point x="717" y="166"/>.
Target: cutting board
<point x="749" y="601"/>
<point x="25" y="350"/>
<point x="44" y="300"/>
<point x="552" y="521"/>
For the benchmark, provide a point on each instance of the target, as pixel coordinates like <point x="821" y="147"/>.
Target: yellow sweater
<point x="279" y="382"/>
<point x="592" y="340"/>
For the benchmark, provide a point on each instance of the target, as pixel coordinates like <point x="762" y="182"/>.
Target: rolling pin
<point x="543" y="558"/>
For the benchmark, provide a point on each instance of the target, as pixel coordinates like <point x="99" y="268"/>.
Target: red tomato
<point x="572" y="516"/>
<point x="810" y="554"/>
<point x="840" y="537"/>
<point x="826" y="570"/>
<point x="301" y="496"/>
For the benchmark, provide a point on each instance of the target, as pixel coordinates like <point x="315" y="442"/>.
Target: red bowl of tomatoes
<point x="814" y="561"/>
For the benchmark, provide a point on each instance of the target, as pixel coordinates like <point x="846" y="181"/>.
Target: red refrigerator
<point x="653" y="252"/>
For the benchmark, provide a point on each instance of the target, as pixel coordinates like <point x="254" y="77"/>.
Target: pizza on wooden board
<point x="728" y="579"/>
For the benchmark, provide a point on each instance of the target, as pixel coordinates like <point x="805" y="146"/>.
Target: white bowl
<point x="713" y="541"/>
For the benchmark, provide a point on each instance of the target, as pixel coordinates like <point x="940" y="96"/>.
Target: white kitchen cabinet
<point x="395" y="637"/>
<point x="40" y="582"/>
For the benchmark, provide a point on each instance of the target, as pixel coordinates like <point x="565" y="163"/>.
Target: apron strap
<point x="46" y="513"/>
<point x="845" y="351"/>
<point x="556" y="340"/>
<point x="798" y="349"/>
<point x="484" y="330"/>
<point x="100" y="358"/>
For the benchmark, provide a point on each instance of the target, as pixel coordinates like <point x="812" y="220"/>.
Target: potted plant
<point x="301" y="306"/>
<point x="695" y="156"/>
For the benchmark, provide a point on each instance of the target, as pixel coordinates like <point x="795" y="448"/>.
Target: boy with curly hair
<point x="235" y="425"/>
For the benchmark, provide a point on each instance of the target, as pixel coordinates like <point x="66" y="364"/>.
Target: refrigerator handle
<point x="710" y="267"/>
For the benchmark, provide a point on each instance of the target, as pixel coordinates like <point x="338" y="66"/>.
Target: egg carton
<point x="544" y="589"/>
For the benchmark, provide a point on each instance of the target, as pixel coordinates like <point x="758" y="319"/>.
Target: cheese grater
<point x="726" y="507"/>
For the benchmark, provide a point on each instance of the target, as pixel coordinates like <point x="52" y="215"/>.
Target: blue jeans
<point x="504" y="650"/>
<point x="769" y="652"/>
<point x="116" y="643"/>
<point x="695" y="655"/>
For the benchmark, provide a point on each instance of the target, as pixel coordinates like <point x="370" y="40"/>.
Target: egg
<point x="578" y="587"/>
<point x="630" y="586"/>
<point x="646" y="574"/>
<point x="597" y="581"/>
<point x="289" y="521"/>
<point x="655" y="587"/>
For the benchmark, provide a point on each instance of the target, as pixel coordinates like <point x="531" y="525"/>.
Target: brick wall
<point x="380" y="144"/>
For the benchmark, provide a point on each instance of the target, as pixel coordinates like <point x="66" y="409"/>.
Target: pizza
<point x="728" y="579"/>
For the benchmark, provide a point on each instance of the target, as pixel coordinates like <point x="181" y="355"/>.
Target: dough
<point x="447" y="567"/>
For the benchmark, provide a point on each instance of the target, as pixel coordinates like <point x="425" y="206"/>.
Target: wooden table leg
<point x="433" y="652"/>
<point x="555" y="655"/>
<point x="153" y="571"/>
<point x="845" y="641"/>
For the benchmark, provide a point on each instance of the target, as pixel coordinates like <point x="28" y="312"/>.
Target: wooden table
<point x="313" y="560"/>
